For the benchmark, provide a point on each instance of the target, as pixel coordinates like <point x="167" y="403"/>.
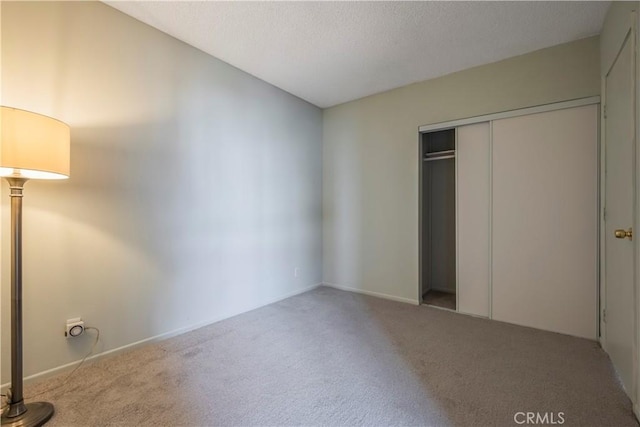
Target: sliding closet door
<point x="545" y="220"/>
<point x="473" y="218"/>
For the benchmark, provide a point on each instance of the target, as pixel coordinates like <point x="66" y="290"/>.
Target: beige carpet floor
<point x="329" y="357"/>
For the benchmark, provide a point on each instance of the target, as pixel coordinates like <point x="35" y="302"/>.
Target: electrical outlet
<point x="75" y="327"/>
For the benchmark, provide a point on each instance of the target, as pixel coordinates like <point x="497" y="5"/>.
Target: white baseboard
<point x="371" y="293"/>
<point x="67" y="367"/>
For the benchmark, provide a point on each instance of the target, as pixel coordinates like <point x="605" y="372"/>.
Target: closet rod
<point x="439" y="153"/>
<point x="431" y="159"/>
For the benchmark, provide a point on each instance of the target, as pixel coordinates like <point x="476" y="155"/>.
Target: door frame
<point x="636" y="225"/>
<point x="631" y="34"/>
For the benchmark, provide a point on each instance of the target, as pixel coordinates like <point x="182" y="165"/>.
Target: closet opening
<point x="438" y="219"/>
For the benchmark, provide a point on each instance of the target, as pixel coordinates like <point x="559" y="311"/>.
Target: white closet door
<point x="545" y="188"/>
<point x="473" y="183"/>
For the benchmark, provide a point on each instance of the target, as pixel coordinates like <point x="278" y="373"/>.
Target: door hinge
<point x="604" y="315"/>
<point x="604" y="214"/>
<point x="605" y="111"/>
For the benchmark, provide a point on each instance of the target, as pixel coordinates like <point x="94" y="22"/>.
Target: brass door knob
<point x="621" y="234"/>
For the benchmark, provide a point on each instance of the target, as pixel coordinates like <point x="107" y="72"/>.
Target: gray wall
<point x="371" y="156"/>
<point x="195" y="188"/>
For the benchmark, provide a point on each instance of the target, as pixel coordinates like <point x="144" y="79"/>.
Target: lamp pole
<point x="19" y="414"/>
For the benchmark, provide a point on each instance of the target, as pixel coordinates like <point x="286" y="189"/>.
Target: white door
<point x="619" y="210"/>
<point x="545" y="220"/>
<point x="473" y="180"/>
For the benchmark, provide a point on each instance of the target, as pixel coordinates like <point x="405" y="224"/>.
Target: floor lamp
<point x="32" y="147"/>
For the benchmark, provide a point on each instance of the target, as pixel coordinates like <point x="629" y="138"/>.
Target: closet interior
<point x="438" y="191"/>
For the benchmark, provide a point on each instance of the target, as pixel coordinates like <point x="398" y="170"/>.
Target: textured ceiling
<point x="333" y="52"/>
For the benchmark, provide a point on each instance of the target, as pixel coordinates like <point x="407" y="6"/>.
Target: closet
<point x="439" y="221"/>
<point x="509" y="216"/>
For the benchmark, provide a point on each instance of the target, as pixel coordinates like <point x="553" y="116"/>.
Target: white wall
<point x="195" y="188"/>
<point x="370" y="157"/>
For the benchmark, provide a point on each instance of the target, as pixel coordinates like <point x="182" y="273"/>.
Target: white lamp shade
<point x="33" y="146"/>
